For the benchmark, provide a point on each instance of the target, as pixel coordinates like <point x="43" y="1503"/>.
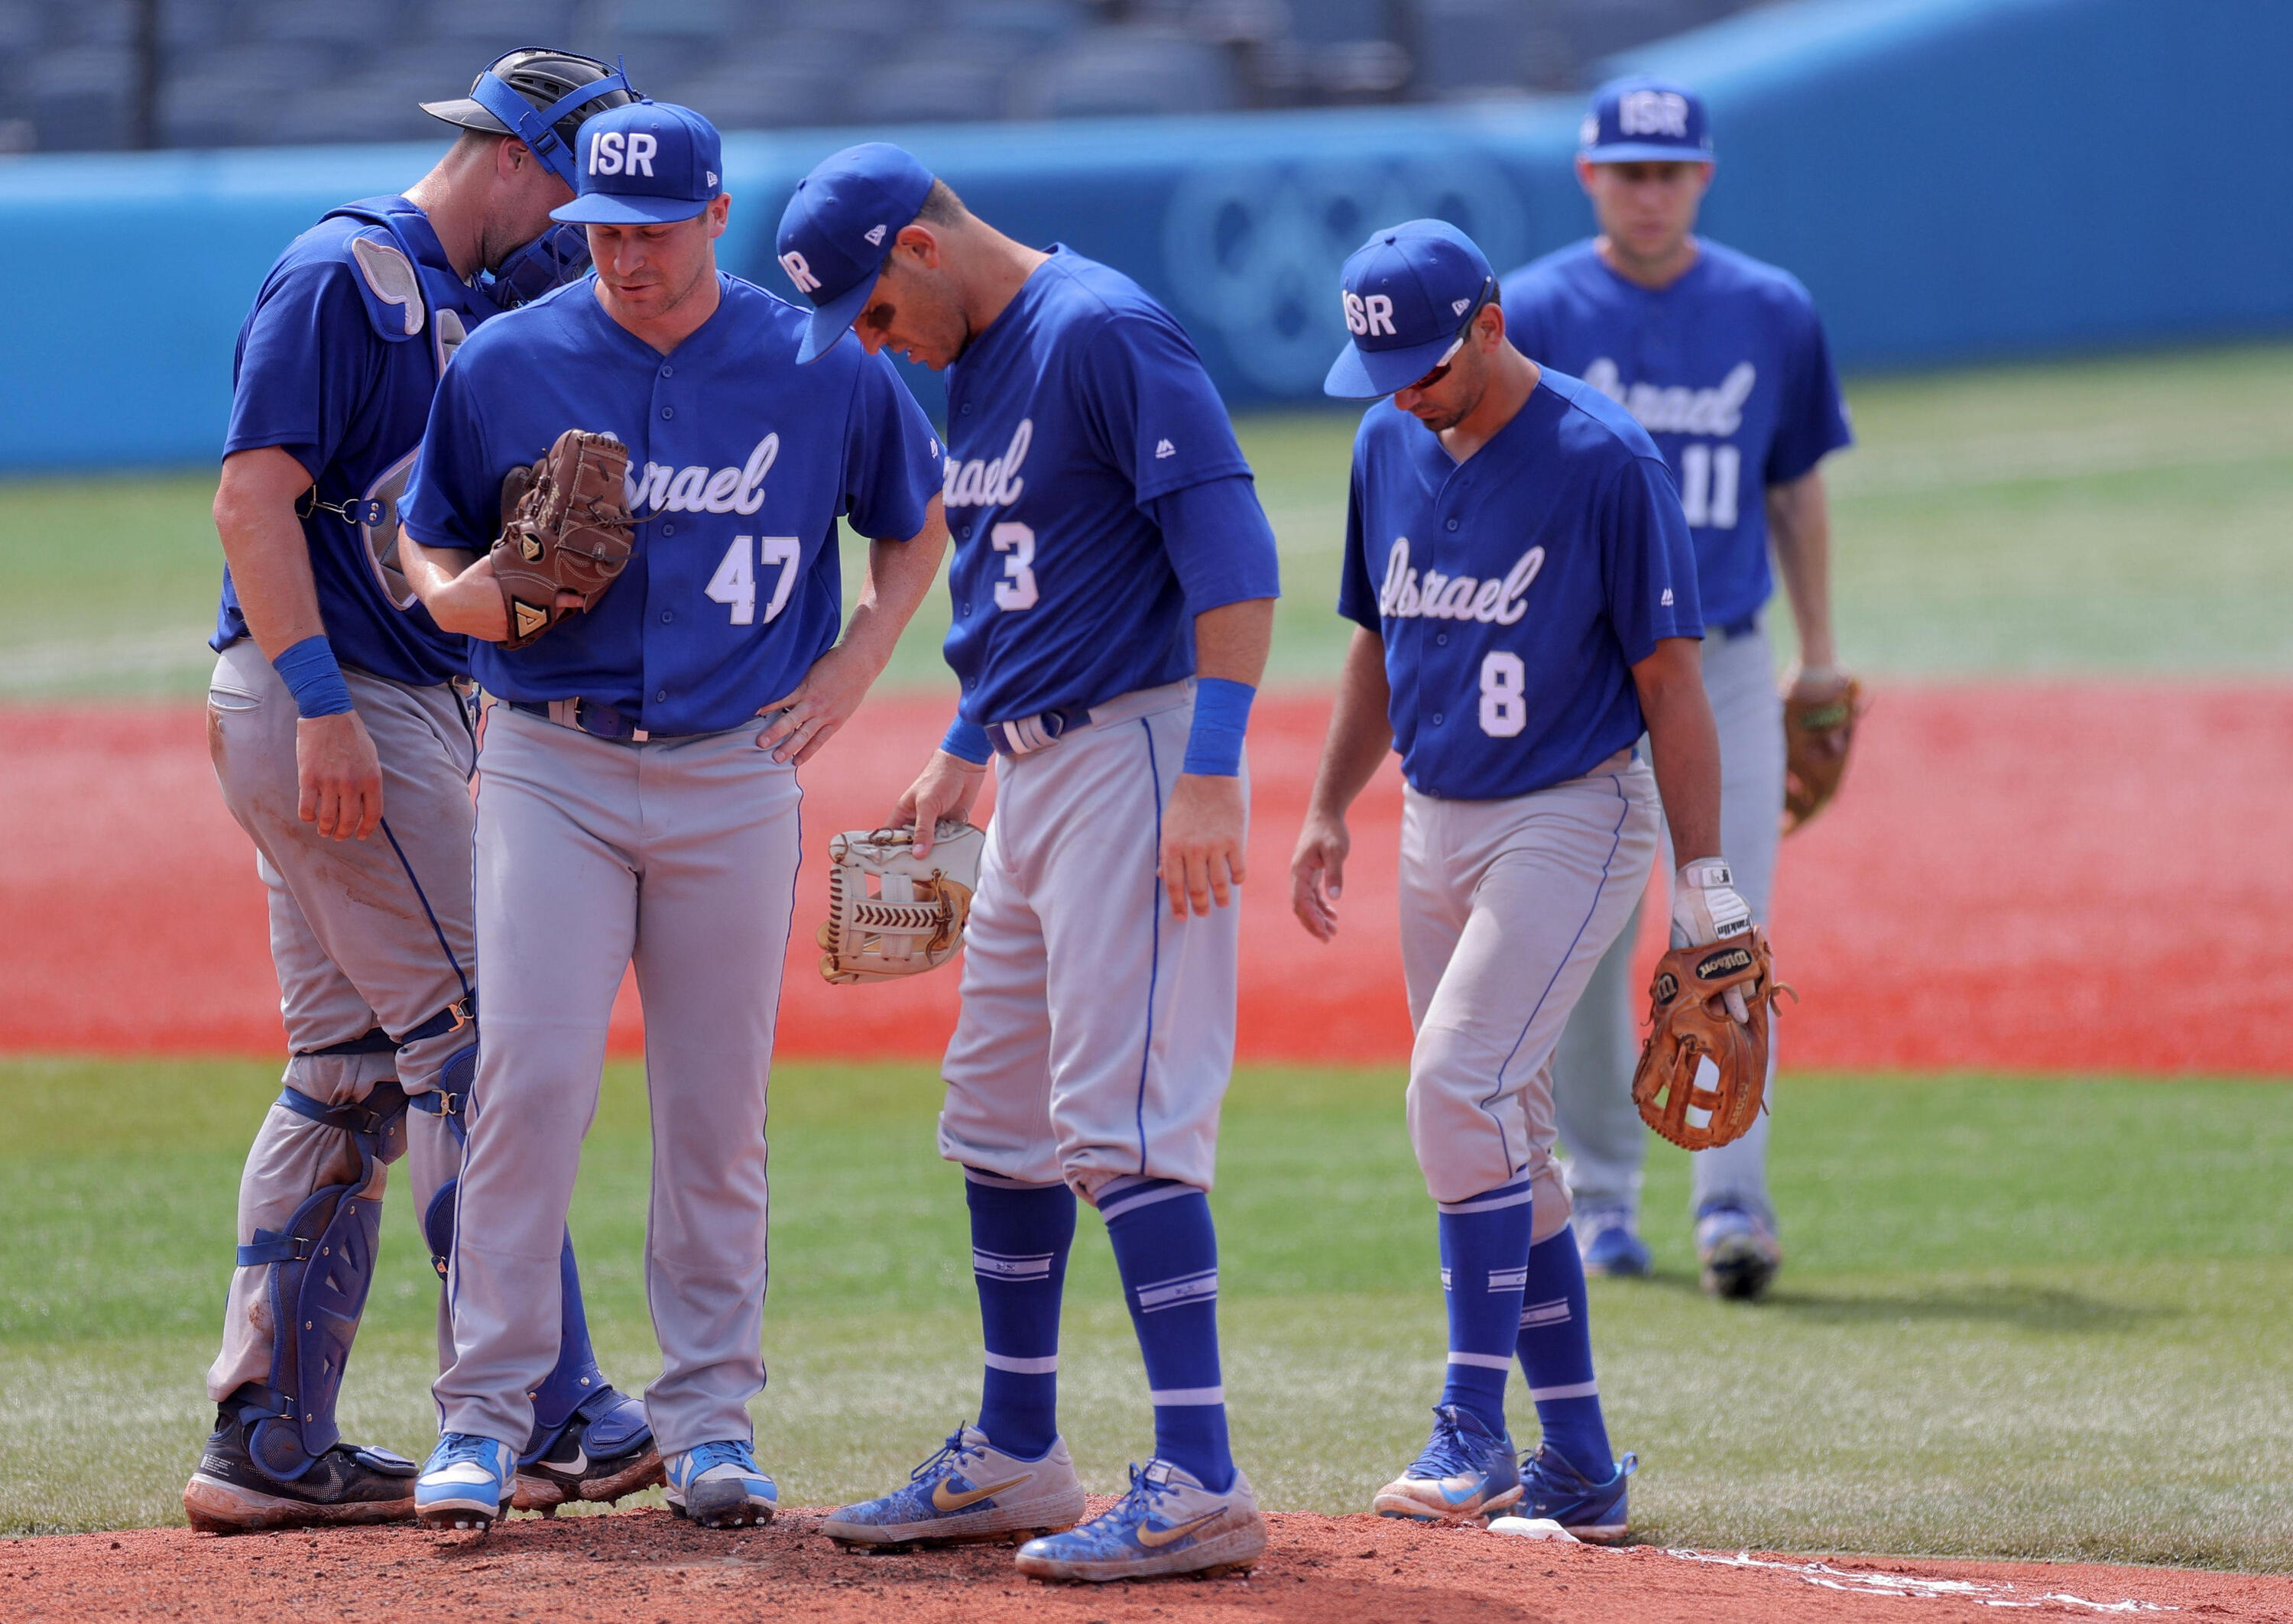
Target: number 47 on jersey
<point x="734" y="584"/>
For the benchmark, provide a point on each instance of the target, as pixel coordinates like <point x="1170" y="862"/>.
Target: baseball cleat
<point x="466" y="1483"/>
<point x="969" y="1490"/>
<point x="1466" y="1472"/>
<point x="1168" y="1523"/>
<point x="1608" y="1240"/>
<point x="1738" y="1250"/>
<point x="229" y="1494"/>
<point x="598" y="1458"/>
<point x="719" y="1485"/>
<point x="1552" y="1488"/>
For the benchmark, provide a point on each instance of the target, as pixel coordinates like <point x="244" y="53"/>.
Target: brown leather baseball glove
<point x="912" y="921"/>
<point x="1819" y="726"/>
<point x="1688" y="1023"/>
<point x="565" y="530"/>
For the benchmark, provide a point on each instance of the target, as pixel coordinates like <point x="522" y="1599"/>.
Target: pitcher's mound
<point x="646" y="1565"/>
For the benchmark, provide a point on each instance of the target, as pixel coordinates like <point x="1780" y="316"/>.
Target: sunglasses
<point x="1442" y="368"/>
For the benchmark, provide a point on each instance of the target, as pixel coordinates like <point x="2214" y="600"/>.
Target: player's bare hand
<point x="1203" y="829"/>
<point x="337" y="777"/>
<point x="824" y="702"/>
<point x="1317" y="874"/>
<point x="945" y="788"/>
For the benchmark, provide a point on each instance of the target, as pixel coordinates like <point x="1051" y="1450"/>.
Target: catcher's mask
<point x="541" y="97"/>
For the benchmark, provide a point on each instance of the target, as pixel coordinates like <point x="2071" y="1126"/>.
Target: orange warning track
<point x="2046" y="877"/>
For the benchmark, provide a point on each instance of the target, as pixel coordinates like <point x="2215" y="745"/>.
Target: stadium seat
<point x="1021" y="27"/>
<point x="367" y="110"/>
<point x="77" y="98"/>
<point x="1124" y="70"/>
<point x="798" y="79"/>
<point x="933" y="85"/>
<point x="1474" y="48"/>
<point x="350" y="33"/>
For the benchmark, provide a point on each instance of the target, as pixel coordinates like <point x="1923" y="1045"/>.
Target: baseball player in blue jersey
<point x="632" y="807"/>
<point x="1114" y="586"/>
<point x="1521" y="574"/>
<point x="1722" y="360"/>
<point x="344" y="752"/>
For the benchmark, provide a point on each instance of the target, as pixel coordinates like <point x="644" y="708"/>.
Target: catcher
<point x="667" y="575"/>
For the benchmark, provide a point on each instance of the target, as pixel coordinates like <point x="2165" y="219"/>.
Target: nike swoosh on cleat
<point x="942" y="1500"/>
<point x="1154" y="1539"/>
<point x="574" y="1468"/>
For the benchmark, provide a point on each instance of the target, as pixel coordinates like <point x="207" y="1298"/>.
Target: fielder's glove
<point x="1820" y="715"/>
<point x="1688" y="1023"/>
<point x="912" y="919"/>
<point x="565" y="528"/>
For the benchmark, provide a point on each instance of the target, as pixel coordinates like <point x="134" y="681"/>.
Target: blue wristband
<point x="311" y="675"/>
<point x="968" y="741"/>
<point x="1221" y="717"/>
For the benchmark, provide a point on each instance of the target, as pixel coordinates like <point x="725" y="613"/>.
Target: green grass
<point x="2119" y="515"/>
<point x="2026" y="1318"/>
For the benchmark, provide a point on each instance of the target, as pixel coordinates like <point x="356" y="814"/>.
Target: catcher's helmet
<point x="540" y="96"/>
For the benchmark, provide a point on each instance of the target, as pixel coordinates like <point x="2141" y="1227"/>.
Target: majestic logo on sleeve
<point x="702" y="489"/>
<point x="1408" y="596"/>
<point x="1672" y="410"/>
<point x="991" y="481"/>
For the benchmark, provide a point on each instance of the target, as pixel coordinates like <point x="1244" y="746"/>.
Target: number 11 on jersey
<point x="734" y="584"/>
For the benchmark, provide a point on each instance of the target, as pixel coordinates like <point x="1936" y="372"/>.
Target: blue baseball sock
<point x="1556" y="1355"/>
<point x="1167" y="1251"/>
<point x="1484" y="1248"/>
<point x="1019" y="1239"/>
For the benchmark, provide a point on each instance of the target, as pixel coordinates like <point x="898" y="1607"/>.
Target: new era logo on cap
<point x="875" y="235"/>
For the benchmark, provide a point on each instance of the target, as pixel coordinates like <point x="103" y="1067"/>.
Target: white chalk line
<point x="1912" y="1588"/>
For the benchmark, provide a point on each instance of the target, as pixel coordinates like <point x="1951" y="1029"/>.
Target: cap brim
<point x="1367" y="374"/>
<point x="1645" y="152"/>
<point x="601" y="208"/>
<point x="831" y="321"/>
<point x="467" y="113"/>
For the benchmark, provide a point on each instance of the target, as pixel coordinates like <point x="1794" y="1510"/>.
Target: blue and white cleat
<point x="1168" y="1523"/>
<point x="466" y="1483"/>
<point x="969" y="1490"/>
<point x="1466" y="1472"/>
<point x="719" y="1485"/>
<point x="1593" y="1512"/>
<point x="1739" y="1251"/>
<point x="1609" y="1241"/>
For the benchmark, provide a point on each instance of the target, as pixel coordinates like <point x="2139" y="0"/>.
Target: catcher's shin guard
<point x="576" y="1380"/>
<point x="321" y="1268"/>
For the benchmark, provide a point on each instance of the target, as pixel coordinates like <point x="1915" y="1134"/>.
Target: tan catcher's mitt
<point x="912" y="919"/>
<point x="565" y="528"/>
<point x="1818" y="730"/>
<point x="1688" y="1022"/>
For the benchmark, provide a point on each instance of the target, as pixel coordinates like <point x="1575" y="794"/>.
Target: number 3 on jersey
<point x="1504" y="698"/>
<point x="1016" y="543"/>
<point x="734" y="584"/>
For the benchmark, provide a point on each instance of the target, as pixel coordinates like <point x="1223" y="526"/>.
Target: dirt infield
<point x="644" y="1566"/>
<point x="2034" y="877"/>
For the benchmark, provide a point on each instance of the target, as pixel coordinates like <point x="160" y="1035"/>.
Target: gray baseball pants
<point x="679" y="855"/>
<point x="1506" y="905"/>
<point x="1604" y="1139"/>
<point x="364" y="934"/>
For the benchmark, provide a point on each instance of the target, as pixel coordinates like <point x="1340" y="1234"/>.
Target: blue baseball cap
<point x="837" y="233"/>
<point x="1643" y="119"/>
<point x="1409" y="292"/>
<point x="649" y="163"/>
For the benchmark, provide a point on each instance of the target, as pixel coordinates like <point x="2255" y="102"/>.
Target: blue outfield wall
<point x="1955" y="180"/>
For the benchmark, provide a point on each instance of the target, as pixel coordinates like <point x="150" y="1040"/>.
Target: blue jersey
<point x="739" y="463"/>
<point x="1727" y="368"/>
<point x="1070" y="417"/>
<point x="1516" y="590"/>
<point x="326" y="371"/>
